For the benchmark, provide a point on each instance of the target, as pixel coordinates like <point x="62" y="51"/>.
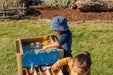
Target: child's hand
<point x="44" y="48"/>
<point x="55" y="67"/>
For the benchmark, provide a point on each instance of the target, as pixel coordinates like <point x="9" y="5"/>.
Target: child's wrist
<point x="57" y="65"/>
<point x="47" y="46"/>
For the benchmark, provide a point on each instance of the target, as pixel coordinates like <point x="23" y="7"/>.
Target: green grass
<point x="94" y="38"/>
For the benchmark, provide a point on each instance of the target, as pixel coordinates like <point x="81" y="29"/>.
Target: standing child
<point x="79" y="65"/>
<point x="60" y="27"/>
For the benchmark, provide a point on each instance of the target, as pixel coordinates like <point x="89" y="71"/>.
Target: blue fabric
<point x="59" y="23"/>
<point x="65" y="40"/>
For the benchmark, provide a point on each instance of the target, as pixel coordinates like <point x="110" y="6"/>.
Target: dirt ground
<point x="48" y="12"/>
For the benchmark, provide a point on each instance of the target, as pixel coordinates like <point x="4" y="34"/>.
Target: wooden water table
<point x="30" y="55"/>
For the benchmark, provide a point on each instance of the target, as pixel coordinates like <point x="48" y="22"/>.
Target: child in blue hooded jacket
<point x="60" y="27"/>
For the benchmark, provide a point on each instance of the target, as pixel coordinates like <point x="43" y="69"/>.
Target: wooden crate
<point x="20" y="53"/>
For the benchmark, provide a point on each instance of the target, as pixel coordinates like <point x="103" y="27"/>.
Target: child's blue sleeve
<point x="62" y="39"/>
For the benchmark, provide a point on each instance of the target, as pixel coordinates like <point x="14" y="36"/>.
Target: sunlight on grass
<point x="94" y="38"/>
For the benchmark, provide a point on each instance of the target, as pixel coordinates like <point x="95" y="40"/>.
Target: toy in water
<point x="46" y="40"/>
<point x="49" y="39"/>
<point x="31" y="45"/>
<point x="36" y="45"/>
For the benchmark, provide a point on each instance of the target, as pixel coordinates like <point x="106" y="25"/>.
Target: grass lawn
<point x="94" y="38"/>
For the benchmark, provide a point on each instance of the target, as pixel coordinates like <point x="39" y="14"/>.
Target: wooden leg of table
<point x="19" y="64"/>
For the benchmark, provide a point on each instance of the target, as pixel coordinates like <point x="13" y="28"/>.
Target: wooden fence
<point x="12" y="13"/>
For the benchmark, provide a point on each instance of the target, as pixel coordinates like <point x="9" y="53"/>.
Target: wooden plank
<point x="19" y="64"/>
<point x="2" y="9"/>
<point x="17" y="46"/>
<point x="21" y="49"/>
<point x="32" y="40"/>
<point x="5" y="17"/>
<point x="2" y="12"/>
<point x="13" y="9"/>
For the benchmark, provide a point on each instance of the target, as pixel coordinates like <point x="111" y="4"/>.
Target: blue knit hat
<point x="59" y="23"/>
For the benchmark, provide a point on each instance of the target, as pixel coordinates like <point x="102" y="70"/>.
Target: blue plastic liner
<point x="41" y="58"/>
